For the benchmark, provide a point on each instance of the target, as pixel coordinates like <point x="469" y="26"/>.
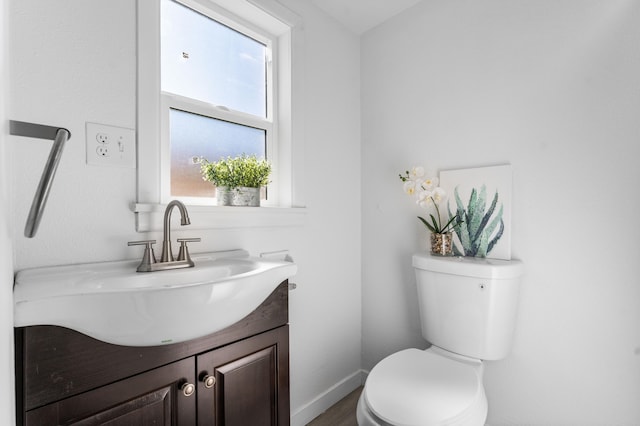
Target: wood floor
<point x="341" y="414"/>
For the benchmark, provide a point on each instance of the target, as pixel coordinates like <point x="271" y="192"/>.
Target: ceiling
<point x="362" y="15"/>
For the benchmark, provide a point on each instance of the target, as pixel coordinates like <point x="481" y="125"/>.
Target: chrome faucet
<point x="167" y="255"/>
<point x="167" y="261"/>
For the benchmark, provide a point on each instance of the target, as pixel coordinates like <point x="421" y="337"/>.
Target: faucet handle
<point x="148" y="258"/>
<point x="183" y="254"/>
<point x="148" y="243"/>
<point x="189" y="240"/>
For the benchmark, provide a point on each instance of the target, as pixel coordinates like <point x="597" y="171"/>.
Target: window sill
<point x="149" y="217"/>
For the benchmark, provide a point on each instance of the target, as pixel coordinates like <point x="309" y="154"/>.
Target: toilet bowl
<point x="467" y="312"/>
<point x="430" y="387"/>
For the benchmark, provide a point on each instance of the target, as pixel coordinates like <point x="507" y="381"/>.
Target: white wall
<point x="7" y="401"/>
<point x="75" y="62"/>
<point x="553" y="88"/>
<point x="548" y="86"/>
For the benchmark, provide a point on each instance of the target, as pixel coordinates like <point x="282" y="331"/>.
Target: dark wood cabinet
<point x="247" y="377"/>
<point x="151" y="398"/>
<point x="236" y="377"/>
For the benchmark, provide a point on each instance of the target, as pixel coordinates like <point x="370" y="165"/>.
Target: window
<point x="186" y="108"/>
<point x="216" y="95"/>
<point x="197" y="135"/>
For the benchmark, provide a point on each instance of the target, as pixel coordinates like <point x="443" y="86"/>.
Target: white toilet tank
<point x="468" y="305"/>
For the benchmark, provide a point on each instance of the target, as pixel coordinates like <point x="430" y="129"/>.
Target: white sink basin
<point x="112" y="302"/>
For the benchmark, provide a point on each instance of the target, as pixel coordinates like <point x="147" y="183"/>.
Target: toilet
<point x="468" y="309"/>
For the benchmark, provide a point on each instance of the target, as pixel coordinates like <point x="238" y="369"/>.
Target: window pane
<point x="196" y="135"/>
<point x="205" y="60"/>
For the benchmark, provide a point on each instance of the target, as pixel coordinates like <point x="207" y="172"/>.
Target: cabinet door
<point x="151" y="398"/>
<point x="251" y="382"/>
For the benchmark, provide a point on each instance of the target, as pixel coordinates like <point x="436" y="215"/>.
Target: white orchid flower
<point x="439" y="195"/>
<point x="409" y="187"/>
<point x="430" y="183"/>
<point x="417" y="172"/>
<point x="428" y="196"/>
<point x="425" y="198"/>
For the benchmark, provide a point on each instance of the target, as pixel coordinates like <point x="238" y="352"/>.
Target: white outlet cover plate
<point x="110" y="146"/>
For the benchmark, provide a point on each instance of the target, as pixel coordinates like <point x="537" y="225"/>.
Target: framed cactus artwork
<point x="482" y="198"/>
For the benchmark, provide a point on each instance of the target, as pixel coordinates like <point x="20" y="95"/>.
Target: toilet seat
<point x="418" y="388"/>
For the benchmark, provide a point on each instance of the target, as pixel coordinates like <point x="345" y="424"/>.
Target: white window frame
<point x="170" y="101"/>
<point x="259" y="18"/>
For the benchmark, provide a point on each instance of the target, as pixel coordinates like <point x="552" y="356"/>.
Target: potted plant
<point x="237" y="179"/>
<point x="427" y="193"/>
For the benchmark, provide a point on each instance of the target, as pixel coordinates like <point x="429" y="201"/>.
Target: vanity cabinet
<point x="246" y="378"/>
<point x="235" y="377"/>
<point x="151" y="398"/>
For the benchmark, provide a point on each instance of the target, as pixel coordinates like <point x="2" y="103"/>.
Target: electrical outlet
<point x="102" y="138"/>
<point x="102" y="151"/>
<point x="110" y="146"/>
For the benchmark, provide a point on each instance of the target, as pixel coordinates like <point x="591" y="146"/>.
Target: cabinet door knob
<point x="188" y="389"/>
<point x="209" y="381"/>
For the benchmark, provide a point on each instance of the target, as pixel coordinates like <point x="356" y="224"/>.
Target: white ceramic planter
<point x="223" y="196"/>
<point x="245" y="196"/>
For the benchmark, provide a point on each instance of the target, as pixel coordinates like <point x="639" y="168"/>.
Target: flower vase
<point x="442" y="244"/>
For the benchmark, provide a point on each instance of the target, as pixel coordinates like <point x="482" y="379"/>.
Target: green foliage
<point x="234" y="172"/>
<point x="436" y="228"/>
<point x="477" y="231"/>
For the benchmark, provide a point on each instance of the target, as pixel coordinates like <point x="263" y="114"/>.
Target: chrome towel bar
<point x="59" y="136"/>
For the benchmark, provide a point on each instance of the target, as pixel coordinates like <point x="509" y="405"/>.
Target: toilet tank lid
<point x="469" y="266"/>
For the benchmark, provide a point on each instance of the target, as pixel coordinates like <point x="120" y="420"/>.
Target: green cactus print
<point x="476" y="232"/>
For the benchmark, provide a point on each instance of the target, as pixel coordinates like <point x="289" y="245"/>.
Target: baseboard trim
<point x="326" y="399"/>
